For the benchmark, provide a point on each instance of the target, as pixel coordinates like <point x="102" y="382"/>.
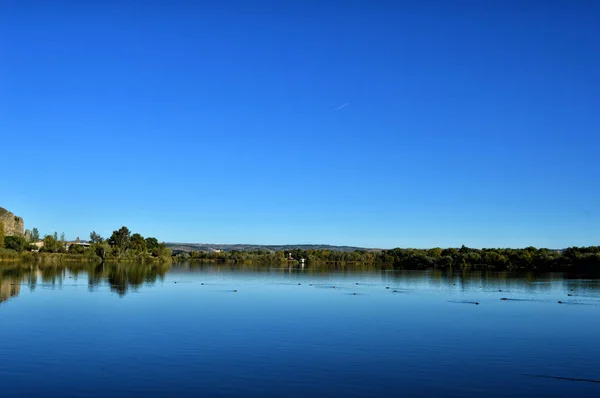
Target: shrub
<point x="16" y="243"/>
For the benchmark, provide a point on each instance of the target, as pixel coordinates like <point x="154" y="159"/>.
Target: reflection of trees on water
<point x="8" y="289"/>
<point x="470" y="280"/>
<point x="11" y="279"/>
<point x="121" y="278"/>
<point x="431" y="279"/>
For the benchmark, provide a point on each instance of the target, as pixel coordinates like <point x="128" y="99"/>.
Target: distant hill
<point x="210" y="247"/>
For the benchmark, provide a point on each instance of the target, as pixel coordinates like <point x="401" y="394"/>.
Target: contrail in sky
<point x="341" y="106"/>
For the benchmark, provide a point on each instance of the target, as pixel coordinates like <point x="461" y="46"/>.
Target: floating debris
<point x="561" y="378"/>
<point x="573" y="303"/>
<point x="463" y="302"/>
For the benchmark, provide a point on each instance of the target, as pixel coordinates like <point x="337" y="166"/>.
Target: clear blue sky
<point x="380" y="124"/>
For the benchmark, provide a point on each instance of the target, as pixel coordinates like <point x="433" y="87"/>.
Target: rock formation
<point x="13" y="225"/>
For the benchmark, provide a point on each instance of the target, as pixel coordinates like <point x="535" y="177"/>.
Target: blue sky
<point x="379" y="124"/>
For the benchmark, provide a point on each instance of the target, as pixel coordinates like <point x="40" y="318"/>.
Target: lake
<point x="181" y="331"/>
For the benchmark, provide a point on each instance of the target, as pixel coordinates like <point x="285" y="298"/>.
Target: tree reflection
<point x="9" y="288"/>
<point x="121" y="278"/>
<point x="95" y="275"/>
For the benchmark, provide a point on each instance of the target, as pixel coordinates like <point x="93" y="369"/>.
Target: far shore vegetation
<point x="124" y="246"/>
<point x="583" y="259"/>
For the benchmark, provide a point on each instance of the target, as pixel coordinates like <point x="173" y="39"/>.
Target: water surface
<point x="155" y="331"/>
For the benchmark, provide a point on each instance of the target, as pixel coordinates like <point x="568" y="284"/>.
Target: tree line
<point x="121" y="245"/>
<point x="531" y="258"/>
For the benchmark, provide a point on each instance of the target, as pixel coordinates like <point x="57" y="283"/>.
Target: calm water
<point x="89" y="331"/>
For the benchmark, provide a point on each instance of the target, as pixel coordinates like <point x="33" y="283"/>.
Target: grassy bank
<point x="11" y="256"/>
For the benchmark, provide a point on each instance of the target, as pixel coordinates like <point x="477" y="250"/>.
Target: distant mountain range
<point x="212" y="247"/>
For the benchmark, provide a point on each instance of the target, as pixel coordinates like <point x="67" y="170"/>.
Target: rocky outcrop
<point x="13" y="225"/>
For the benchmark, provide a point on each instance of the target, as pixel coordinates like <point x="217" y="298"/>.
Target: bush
<point x="16" y="243"/>
<point x="76" y="249"/>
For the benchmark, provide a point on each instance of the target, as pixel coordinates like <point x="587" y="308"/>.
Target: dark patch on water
<point x="573" y="303"/>
<point x="517" y="299"/>
<point x="561" y="378"/>
<point x="327" y="286"/>
<point x="285" y="283"/>
<point x="589" y="296"/>
<point x="367" y="284"/>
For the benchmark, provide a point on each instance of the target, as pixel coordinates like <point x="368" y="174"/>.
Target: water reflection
<point x="121" y="278"/>
<point x="124" y="278"/>
<point x="219" y="330"/>
<point x="8" y="289"/>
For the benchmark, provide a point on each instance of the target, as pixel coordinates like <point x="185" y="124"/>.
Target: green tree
<point x="16" y="243"/>
<point x="55" y="236"/>
<point x="102" y="249"/>
<point x="151" y="243"/>
<point x="76" y="249"/>
<point x="138" y="243"/>
<point x="445" y="261"/>
<point x="51" y="245"/>
<point x="120" y="240"/>
<point x="435" y="252"/>
<point x="162" y="251"/>
<point x="35" y="235"/>
<point x="95" y="238"/>
<point x="452" y="252"/>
